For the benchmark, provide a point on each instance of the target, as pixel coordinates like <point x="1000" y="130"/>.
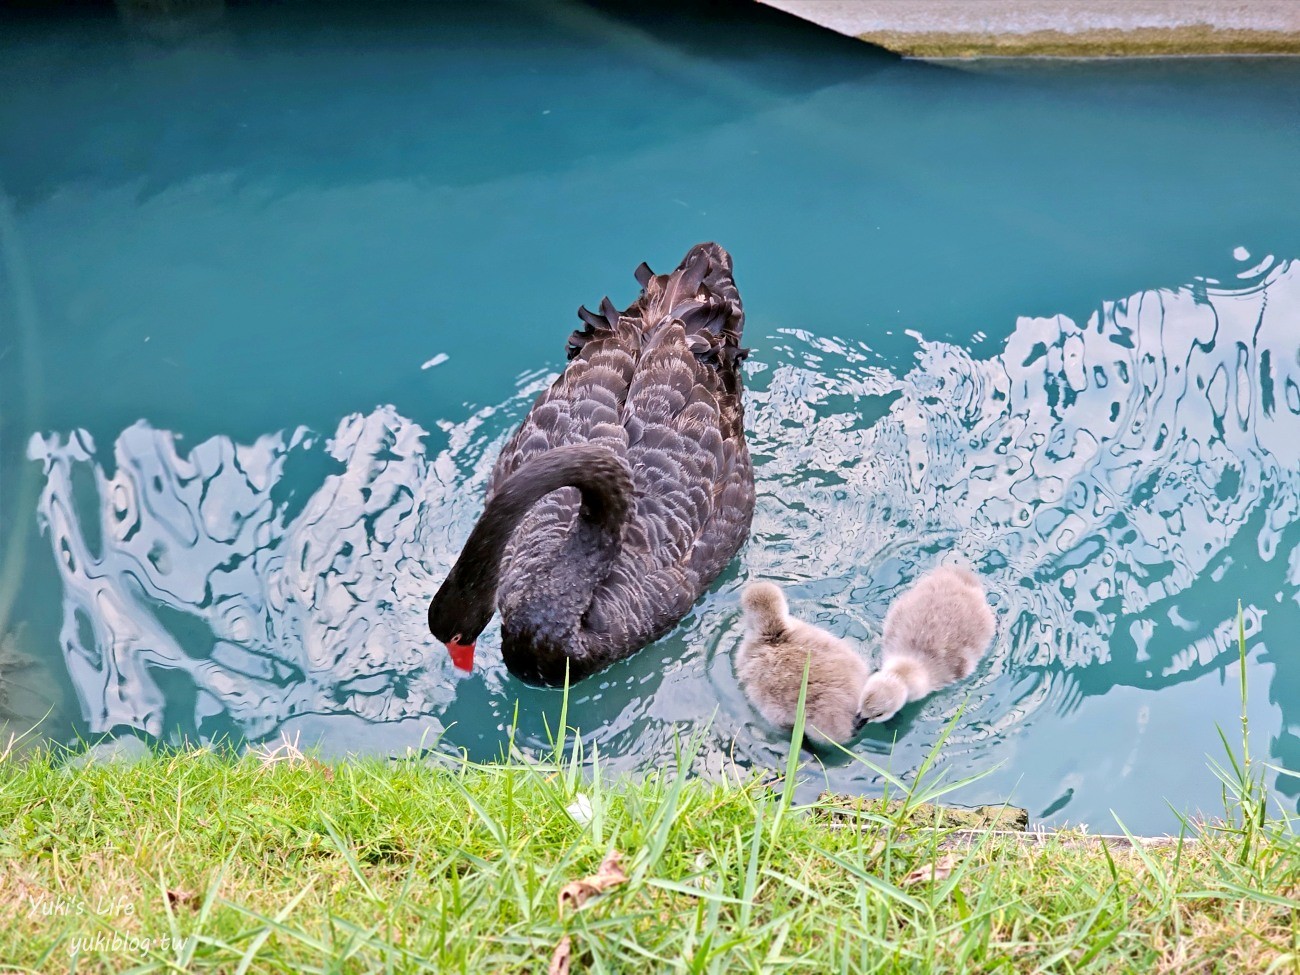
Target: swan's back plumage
<point x="659" y="384"/>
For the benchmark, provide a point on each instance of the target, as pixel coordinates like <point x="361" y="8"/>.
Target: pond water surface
<point x="277" y="284"/>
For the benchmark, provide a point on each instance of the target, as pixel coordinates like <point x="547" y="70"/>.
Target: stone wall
<point x="1061" y="28"/>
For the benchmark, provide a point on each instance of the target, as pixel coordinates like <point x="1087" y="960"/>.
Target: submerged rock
<point x="126" y="750"/>
<point x="844" y="808"/>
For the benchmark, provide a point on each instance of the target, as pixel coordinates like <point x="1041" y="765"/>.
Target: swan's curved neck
<point x="466" y="600"/>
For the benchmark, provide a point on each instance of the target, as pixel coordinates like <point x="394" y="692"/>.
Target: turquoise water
<point x="278" y="282"/>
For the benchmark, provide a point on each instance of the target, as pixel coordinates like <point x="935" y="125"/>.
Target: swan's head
<point x="457" y="622"/>
<point x="883" y="696"/>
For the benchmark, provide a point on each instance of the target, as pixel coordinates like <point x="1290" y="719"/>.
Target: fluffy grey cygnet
<point x="770" y="666"/>
<point x="935" y="634"/>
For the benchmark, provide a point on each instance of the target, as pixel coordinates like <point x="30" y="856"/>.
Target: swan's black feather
<point x="591" y="319"/>
<point x="659" y="385"/>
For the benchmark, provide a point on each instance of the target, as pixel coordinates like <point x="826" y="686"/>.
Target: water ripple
<point x="1100" y="474"/>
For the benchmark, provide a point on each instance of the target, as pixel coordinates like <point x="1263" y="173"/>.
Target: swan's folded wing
<point x="733" y="511"/>
<point x="694" y="490"/>
<point x="674" y="445"/>
<point x="583" y="405"/>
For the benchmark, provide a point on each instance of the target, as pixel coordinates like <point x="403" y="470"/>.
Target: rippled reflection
<point x="1107" y="477"/>
<point x="194" y="562"/>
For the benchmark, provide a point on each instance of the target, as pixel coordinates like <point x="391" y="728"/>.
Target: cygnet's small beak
<point x="462" y="655"/>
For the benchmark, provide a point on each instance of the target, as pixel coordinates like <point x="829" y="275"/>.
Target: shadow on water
<point x="708" y="64"/>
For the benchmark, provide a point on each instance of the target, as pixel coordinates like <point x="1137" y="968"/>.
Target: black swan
<point x="624" y="492"/>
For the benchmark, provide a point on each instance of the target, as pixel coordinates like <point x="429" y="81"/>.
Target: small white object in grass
<point x="437" y="360"/>
<point x="580" y="809"/>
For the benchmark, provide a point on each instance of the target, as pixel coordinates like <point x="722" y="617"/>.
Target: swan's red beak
<point x="462" y="655"/>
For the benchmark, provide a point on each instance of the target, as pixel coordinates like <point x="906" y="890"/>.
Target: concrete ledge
<point x="1061" y="28"/>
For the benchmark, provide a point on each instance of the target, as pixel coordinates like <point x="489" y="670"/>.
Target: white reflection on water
<point x="311" y="614"/>
<point x="1094" y="472"/>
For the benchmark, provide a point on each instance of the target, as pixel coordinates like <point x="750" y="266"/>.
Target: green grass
<point x="195" y="861"/>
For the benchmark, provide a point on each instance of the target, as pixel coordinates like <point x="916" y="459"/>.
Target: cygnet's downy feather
<point x="771" y="660"/>
<point x="935" y="634"/>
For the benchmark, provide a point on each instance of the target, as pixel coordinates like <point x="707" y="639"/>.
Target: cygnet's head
<point x="883" y="696"/>
<point x="764" y="603"/>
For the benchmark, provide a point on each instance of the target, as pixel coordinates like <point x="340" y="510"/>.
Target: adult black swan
<point x="624" y="492"/>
